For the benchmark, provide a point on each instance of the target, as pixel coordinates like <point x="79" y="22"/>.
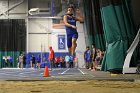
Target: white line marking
<point x="65" y="71"/>
<point x="51" y="70"/>
<point x="81" y="71"/>
<point x="41" y="73"/>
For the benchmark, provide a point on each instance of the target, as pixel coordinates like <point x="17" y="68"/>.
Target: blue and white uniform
<point x="71" y="32"/>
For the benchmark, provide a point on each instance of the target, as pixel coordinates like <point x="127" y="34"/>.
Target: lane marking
<point x="41" y="73"/>
<point x="81" y="71"/>
<point x="65" y="71"/>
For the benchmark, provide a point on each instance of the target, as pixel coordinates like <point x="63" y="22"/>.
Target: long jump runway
<point x="37" y="74"/>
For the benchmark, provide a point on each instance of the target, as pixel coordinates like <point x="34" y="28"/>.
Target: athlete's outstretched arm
<point x="67" y="24"/>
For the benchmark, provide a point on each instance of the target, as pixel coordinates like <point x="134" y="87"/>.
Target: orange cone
<point x="46" y="72"/>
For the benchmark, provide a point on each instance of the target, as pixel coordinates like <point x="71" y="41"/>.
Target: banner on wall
<point x="61" y="42"/>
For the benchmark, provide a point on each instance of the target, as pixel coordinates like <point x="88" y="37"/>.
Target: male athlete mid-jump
<point x="71" y="29"/>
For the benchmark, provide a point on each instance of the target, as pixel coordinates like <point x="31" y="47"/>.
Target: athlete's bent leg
<point x="69" y="43"/>
<point x="73" y="46"/>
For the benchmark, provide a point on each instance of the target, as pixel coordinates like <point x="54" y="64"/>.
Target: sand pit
<point x="69" y="87"/>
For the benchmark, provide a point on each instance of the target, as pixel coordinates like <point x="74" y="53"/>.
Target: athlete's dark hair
<point x="87" y="47"/>
<point x="71" y="6"/>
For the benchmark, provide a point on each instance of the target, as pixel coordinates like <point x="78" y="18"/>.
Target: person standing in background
<point x="32" y="61"/>
<point x="24" y="60"/>
<point x="56" y="61"/>
<point x="21" y="61"/>
<point x="51" y="57"/>
<point x="62" y="62"/>
<point x="87" y="58"/>
<point x="38" y="61"/>
<point x="6" y="61"/>
<point x="76" y="62"/>
<point x="93" y="52"/>
<point x="67" y="59"/>
<point x="11" y="61"/>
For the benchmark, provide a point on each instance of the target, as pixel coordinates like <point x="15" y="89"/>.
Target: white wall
<point x="40" y="25"/>
<point x="38" y="34"/>
<point x="36" y="41"/>
<point x="81" y="45"/>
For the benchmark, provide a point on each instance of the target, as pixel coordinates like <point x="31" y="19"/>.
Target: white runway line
<point x="65" y="71"/>
<point x="41" y="73"/>
<point x="81" y="71"/>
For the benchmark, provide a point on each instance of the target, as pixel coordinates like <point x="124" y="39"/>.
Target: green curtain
<point x="119" y="31"/>
<point x="12" y="40"/>
<point x="13" y="62"/>
<point x="88" y="21"/>
<point x="93" y="23"/>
